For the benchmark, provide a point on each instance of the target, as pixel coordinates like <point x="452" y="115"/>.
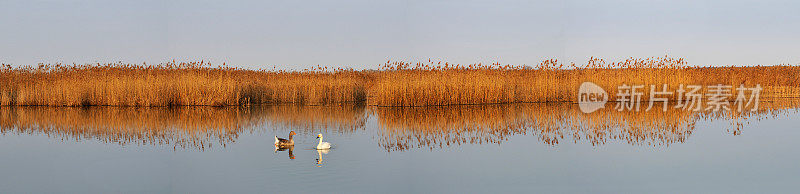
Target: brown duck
<point x="285" y="142"/>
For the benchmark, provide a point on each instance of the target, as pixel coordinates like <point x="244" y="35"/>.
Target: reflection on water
<point x="435" y="127"/>
<point x="183" y="127"/>
<point x="398" y="128"/>
<point x="289" y="149"/>
<point x="311" y="119"/>
<point x="186" y="127"/>
<point x="319" y="157"/>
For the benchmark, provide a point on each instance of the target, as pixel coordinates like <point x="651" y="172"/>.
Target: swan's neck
<point x="320" y="141"/>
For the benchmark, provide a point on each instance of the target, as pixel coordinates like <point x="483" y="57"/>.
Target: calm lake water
<point x="457" y="149"/>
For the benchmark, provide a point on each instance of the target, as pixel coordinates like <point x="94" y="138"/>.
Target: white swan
<point x="322" y="145"/>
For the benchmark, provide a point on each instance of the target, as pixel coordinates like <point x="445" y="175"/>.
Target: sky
<point x="290" y="34"/>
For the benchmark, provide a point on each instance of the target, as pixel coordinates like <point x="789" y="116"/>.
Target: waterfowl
<point x="285" y="142"/>
<point x="322" y="145"/>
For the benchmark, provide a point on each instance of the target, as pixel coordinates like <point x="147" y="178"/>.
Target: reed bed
<point x="173" y="84"/>
<point x="395" y="84"/>
<point x="434" y="84"/>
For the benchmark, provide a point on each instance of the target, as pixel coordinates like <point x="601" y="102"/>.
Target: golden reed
<point x="173" y="84"/>
<point x="395" y="84"/>
<point x="426" y="84"/>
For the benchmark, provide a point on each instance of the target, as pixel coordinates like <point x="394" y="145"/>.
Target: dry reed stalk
<point x="431" y="84"/>
<point x="173" y="84"/>
<point x="396" y="84"/>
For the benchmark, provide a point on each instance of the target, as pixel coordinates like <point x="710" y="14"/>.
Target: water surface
<point x="474" y="149"/>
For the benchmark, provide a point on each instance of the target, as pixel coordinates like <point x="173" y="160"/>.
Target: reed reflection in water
<point x="198" y="127"/>
<point x="313" y="119"/>
<point x="397" y="128"/>
<point x="184" y="127"/>
<point x="552" y="123"/>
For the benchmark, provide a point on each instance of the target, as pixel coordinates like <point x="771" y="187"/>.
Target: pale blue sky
<point x="294" y="34"/>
